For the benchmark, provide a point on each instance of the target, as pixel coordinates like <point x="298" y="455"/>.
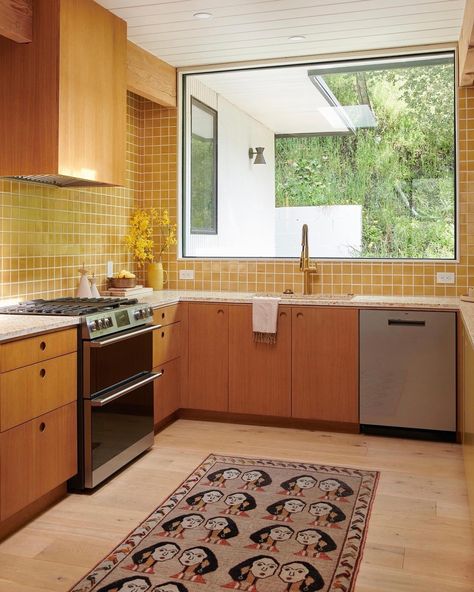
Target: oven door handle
<point x="128" y="335"/>
<point x="105" y="399"/>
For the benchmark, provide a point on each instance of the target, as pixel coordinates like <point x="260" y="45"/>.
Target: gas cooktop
<point x="100" y="317"/>
<point x="69" y="307"/>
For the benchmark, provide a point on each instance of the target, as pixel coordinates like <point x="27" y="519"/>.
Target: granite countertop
<point x="432" y="302"/>
<point x="467" y="316"/>
<point x="15" y="326"/>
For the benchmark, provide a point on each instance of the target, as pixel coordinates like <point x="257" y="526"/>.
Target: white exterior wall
<point x="246" y="192"/>
<point x="333" y="231"/>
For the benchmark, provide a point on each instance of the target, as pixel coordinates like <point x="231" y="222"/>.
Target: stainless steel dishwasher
<point x="408" y="373"/>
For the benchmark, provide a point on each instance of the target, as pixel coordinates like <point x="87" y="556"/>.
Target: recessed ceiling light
<point x="202" y="15"/>
<point x="297" y="38"/>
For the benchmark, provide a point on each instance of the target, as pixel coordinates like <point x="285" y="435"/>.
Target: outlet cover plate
<point x="186" y="274"/>
<point x="445" y="277"/>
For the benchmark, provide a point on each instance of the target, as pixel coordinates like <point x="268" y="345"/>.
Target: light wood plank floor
<point x="419" y="536"/>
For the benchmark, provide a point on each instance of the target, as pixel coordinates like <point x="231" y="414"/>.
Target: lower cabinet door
<point x="259" y="373"/>
<point x="36" y="457"/>
<point x="167" y="389"/>
<point x="17" y="469"/>
<point x="325" y="359"/>
<point x="208" y="380"/>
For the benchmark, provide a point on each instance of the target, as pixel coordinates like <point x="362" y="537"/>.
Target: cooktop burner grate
<point x="71" y="307"/>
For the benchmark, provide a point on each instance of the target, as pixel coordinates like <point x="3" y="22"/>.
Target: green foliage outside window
<point x="402" y="172"/>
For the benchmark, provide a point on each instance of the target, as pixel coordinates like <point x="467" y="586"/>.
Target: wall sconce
<point x="259" y="159"/>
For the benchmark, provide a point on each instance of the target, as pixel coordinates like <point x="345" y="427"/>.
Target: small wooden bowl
<point x="123" y="282"/>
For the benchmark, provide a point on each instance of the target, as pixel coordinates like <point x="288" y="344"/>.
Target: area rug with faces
<point x="259" y="525"/>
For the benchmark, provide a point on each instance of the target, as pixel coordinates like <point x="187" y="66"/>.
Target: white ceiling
<point x="259" y="29"/>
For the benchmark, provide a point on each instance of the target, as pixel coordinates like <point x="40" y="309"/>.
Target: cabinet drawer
<point x="36" y="457"/>
<point x="167" y="389"/>
<point x="166" y="344"/>
<point x="167" y="314"/>
<point x="35" y="349"/>
<point x="31" y="391"/>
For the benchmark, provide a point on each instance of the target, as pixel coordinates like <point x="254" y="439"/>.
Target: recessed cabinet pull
<point x="162" y="334"/>
<point x="42" y="426"/>
<point x="42" y="372"/>
<point x="162" y="315"/>
<point x="42" y="345"/>
<point x="162" y="371"/>
<point x="283" y="314"/>
<point x="299" y="315"/>
<point x="220" y="311"/>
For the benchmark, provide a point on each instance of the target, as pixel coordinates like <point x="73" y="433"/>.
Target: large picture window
<point x="361" y="151"/>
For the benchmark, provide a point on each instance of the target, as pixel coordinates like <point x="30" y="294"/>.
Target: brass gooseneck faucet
<point x="305" y="266"/>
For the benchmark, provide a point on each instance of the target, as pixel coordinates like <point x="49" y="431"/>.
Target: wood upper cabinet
<point x="208" y="377"/>
<point x="63" y="96"/>
<point x="259" y="373"/>
<point x="325" y="364"/>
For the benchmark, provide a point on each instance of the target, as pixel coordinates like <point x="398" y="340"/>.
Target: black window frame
<point x="315" y="64"/>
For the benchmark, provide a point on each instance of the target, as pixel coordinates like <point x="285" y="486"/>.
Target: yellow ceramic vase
<point x="156" y="275"/>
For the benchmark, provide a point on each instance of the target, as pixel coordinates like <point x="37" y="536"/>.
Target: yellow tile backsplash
<point x="46" y="232"/>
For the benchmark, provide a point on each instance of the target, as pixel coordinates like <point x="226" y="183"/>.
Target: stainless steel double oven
<point x="116" y="398"/>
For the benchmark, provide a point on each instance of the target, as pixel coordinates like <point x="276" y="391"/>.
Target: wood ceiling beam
<point x="150" y="77"/>
<point x="466" y="46"/>
<point x="16" y="20"/>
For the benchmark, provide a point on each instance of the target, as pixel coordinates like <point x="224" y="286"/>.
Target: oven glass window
<point x="120" y="361"/>
<point x="120" y="424"/>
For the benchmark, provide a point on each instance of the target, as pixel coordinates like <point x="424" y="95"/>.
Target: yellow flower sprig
<point x="140" y="241"/>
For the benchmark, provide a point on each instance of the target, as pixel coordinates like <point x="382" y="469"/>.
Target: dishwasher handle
<point x="406" y="322"/>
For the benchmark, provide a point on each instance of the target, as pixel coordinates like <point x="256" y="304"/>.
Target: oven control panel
<point x="108" y="322"/>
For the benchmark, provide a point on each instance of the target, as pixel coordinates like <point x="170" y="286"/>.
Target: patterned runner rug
<point x="247" y="524"/>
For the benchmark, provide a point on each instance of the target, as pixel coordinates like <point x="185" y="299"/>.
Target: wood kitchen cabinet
<point x="208" y="376"/>
<point x="467" y="419"/>
<point x="36" y="457"/>
<point x="38" y="417"/>
<point x="259" y="373"/>
<point x="325" y="364"/>
<point x="33" y="390"/>
<point x="167" y="390"/>
<point x="166" y="343"/>
<point x="170" y="346"/>
<point x="63" y="100"/>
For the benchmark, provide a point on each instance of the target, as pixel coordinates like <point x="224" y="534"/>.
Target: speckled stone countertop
<point x="467" y="316"/>
<point x="15" y="326"/>
<point x="432" y="302"/>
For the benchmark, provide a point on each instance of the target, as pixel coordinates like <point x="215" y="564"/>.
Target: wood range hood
<point x="63" y="97"/>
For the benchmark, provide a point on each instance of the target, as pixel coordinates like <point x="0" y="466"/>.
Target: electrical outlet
<point x="186" y="274"/>
<point x="445" y="278"/>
